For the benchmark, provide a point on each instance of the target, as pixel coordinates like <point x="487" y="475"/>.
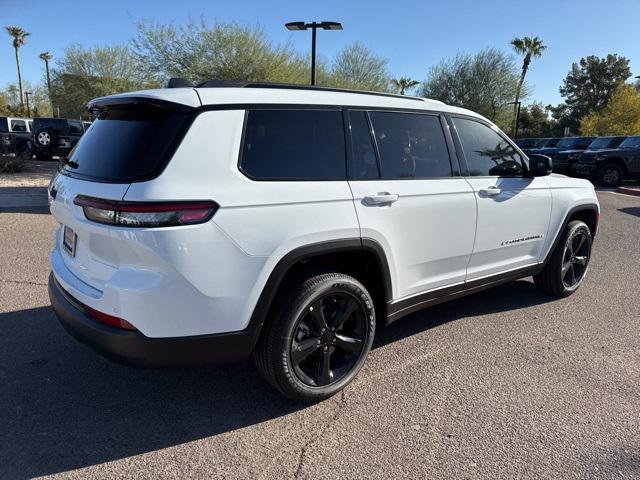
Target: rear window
<point x="75" y="128"/>
<point x="18" y="126"/>
<point x="294" y="145"/>
<point x="126" y="143"/>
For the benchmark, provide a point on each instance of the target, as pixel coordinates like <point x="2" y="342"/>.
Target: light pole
<point x="26" y="94"/>
<point x="313" y="26"/>
<point x="515" y="133"/>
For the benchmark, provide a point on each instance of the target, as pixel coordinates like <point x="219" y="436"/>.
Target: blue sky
<point x="413" y="34"/>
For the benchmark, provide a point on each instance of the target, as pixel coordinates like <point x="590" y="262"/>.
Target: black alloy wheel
<point x="575" y="259"/>
<point x="328" y="339"/>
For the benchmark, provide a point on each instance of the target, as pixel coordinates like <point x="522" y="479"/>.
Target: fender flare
<point x="579" y="208"/>
<point x="260" y="311"/>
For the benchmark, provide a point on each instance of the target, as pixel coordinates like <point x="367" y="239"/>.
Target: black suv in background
<point x="610" y="166"/>
<point x="55" y="136"/>
<point x="15" y="134"/>
<point x="562" y="161"/>
<point x="566" y="143"/>
<point x="529" y="143"/>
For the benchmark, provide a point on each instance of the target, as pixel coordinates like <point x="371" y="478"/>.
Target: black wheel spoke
<point x="581" y="240"/>
<point x="565" y="268"/>
<point x="324" y="378"/>
<point x="581" y="260"/>
<point x="573" y="275"/>
<point x="343" y="315"/>
<point x="350" y="345"/>
<point x="317" y="317"/>
<point x="303" y="349"/>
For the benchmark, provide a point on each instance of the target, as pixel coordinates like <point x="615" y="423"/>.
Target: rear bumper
<point x="134" y="349"/>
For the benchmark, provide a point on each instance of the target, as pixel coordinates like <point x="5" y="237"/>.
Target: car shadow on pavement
<point x="510" y="296"/>
<point x="635" y="211"/>
<point x="63" y="407"/>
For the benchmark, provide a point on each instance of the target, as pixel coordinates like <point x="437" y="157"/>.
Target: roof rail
<point x="289" y="86"/>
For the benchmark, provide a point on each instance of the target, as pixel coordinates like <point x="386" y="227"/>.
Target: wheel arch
<point x="361" y="257"/>
<point x="615" y="161"/>
<point x="589" y="213"/>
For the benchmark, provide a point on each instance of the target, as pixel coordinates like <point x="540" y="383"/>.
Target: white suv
<point x="209" y="223"/>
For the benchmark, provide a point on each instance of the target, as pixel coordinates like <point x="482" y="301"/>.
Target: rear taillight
<point x="108" y="319"/>
<point x="145" y="214"/>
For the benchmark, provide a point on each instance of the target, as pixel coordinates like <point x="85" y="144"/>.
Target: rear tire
<point x="569" y="261"/>
<point x="318" y="340"/>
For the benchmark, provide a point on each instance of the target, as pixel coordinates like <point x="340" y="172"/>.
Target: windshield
<point x="125" y="143"/>
<point x="631" y="142"/>
<point x="567" y="142"/>
<point x="550" y="143"/>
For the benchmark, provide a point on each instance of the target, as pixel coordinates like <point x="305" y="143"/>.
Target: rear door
<point x="513" y="210"/>
<point x="410" y="198"/>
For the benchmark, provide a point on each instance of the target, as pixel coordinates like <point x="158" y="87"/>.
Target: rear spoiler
<point x="99" y="104"/>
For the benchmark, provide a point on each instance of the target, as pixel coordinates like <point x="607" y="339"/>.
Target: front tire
<point x="610" y="175"/>
<point x="569" y="262"/>
<point x="319" y="339"/>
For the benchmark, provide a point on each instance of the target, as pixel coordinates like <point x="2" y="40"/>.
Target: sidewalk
<point x="27" y="191"/>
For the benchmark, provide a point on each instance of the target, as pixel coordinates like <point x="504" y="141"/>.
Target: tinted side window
<point x="364" y="164"/>
<point x="18" y="126"/>
<point x="410" y="145"/>
<point x="294" y="145"/>
<point x="75" y="128"/>
<point x="487" y="153"/>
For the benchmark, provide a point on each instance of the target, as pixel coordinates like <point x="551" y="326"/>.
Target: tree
<point x="485" y="82"/>
<point x="230" y="51"/>
<point x="403" y="84"/>
<point x="356" y="66"/>
<point x="46" y="57"/>
<point x="10" y="101"/>
<point x="83" y="74"/>
<point x="535" y="122"/>
<point x="621" y="116"/>
<point x="19" y="39"/>
<point x="589" y="85"/>
<point x="530" y="48"/>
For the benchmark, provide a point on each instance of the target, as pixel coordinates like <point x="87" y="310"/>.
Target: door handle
<point x="490" y="191"/>
<point x="381" y="198"/>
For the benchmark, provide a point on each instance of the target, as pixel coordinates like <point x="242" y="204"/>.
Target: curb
<point x="630" y="191"/>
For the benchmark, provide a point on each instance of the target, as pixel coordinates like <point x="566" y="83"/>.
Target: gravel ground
<point x="508" y="383"/>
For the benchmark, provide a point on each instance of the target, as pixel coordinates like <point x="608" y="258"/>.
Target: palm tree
<point x="19" y="39"/>
<point x="530" y="48"/>
<point x="403" y="84"/>
<point x="46" y="57"/>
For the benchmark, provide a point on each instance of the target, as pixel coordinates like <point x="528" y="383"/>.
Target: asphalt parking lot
<point x="508" y="383"/>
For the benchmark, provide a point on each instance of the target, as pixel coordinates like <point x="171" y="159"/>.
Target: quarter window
<point x="294" y="145"/>
<point x="410" y="145"/>
<point x="487" y="152"/>
<point x="18" y="126"/>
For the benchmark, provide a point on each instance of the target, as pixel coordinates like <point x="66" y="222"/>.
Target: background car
<point x="562" y="161"/>
<point x="567" y="143"/>
<point x="55" y="136"/>
<point x="610" y="166"/>
<point x="15" y="134"/>
<point x="542" y="143"/>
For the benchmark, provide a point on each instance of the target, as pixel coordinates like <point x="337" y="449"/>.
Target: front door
<point x="513" y="210"/>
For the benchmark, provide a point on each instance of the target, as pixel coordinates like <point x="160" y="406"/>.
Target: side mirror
<point x="540" y="166"/>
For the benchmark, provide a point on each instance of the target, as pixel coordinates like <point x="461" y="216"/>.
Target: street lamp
<point x="515" y="133"/>
<point x="313" y="26"/>
<point x="26" y="94"/>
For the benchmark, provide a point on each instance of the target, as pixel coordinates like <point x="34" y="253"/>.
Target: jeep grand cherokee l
<point x="290" y="223"/>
